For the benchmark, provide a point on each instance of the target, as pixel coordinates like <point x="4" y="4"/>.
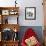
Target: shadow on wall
<point x="37" y="29"/>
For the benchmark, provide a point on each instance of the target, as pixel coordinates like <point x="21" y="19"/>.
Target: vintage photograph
<point x="30" y="13"/>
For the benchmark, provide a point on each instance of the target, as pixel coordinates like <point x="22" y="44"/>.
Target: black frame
<point x="34" y="14"/>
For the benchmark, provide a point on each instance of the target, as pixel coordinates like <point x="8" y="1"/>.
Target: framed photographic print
<point x="5" y="12"/>
<point x="30" y="13"/>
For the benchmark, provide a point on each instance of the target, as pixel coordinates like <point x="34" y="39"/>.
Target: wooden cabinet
<point x="7" y="26"/>
<point x="6" y="12"/>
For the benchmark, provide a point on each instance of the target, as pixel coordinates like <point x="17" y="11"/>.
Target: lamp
<point x="15" y="3"/>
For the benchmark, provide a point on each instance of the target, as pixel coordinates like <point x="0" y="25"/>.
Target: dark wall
<point x="37" y="29"/>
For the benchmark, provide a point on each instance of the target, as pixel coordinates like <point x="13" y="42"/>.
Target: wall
<point x="27" y="3"/>
<point x="39" y="13"/>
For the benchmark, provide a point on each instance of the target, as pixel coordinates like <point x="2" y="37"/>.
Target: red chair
<point x="29" y="33"/>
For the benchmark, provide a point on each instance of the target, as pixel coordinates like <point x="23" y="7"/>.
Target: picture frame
<point x="13" y="12"/>
<point x="30" y="13"/>
<point x="5" y="12"/>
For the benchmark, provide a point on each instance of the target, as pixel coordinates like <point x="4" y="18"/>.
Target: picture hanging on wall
<point x="30" y="13"/>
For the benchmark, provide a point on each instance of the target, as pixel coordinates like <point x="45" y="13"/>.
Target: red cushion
<point x="29" y="33"/>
